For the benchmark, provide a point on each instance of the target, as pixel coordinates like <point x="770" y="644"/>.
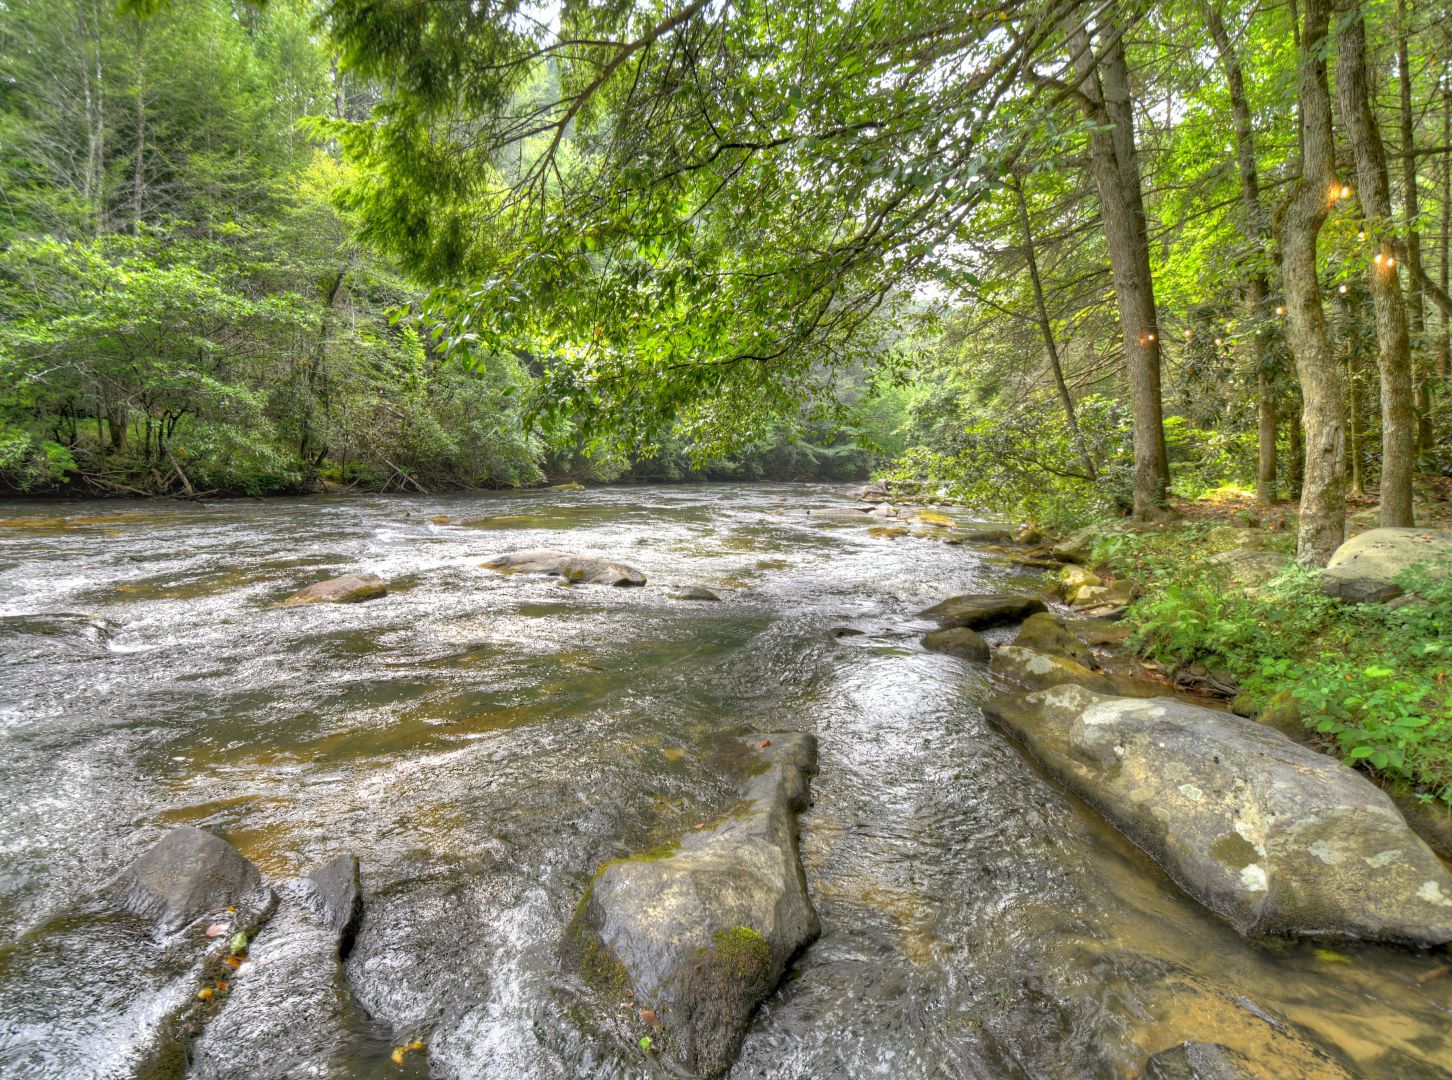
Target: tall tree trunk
<point x="1296" y="450"/>
<point x="1297" y="225"/>
<point x="1394" y="352"/>
<point x="1411" y="207"/>
<point x="1356" y="421"/>
<point x="1113" y="164"/>
<point x="1256" y="235"/>
<point x="1046" y="329"/>
<point x="1444" y="343"/>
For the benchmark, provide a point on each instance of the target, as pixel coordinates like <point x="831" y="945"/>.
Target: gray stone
<point x="691" y="592"/>
<point x="704" y="934"/>
<point x="1113" y="595"/>
<point x="577" y="569"/>
<point x="334" y="893"/>
<point x="1250" y="568"/>
<point x="1040" y="670"/>
<point x="1362" y="569"/>
<point x="348" y="589"/>
<point x="110" y="987"/>
<point x="957" y="641"/>
<point x="1073" y="577"/>
<point x="977" y="610"/>
<point x="1198" y="1061"/>
<point x="289" y="1012"/>
<point x="1271" y="835"/>
<point x="1048" y="634"/>
<point x="843" y="514"/>
<point x="187" y="874"/>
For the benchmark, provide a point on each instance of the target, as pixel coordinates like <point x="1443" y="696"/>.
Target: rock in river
<point x="348" y="589"/>
<point x="977" y="610"/>
<point x="1362" y="569"/>
<point x="187" y="874"/>
<point x="586" y="569"/>
<point x="1049" y="634"/>
<point x="691" y="592"/>
<point x="703" y="934"/>
<point x="116" y="986"/>
<point x="957" y="641"/>
<point x="289" y="1012"/>
<point x="1273" y="836"/>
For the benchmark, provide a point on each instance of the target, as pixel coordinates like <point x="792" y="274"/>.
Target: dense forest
<point x="185" y="308"/>
<point x="1058" y="258"/>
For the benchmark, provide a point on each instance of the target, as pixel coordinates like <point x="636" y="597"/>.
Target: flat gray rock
<point x="1198" y="1061"/>
<point x="704" y="934"/>
<point x="1048" y="634"/>
<point x="1362" y="569"/>
<point x="1273" y="836"/>
<point x="691" y="592"/>
<point x="348" y="589"/>
<point x="578" y="569"/>
<point x="978" y="610"/>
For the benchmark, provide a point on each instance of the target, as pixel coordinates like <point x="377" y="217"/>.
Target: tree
<point x="1298" y="224"/>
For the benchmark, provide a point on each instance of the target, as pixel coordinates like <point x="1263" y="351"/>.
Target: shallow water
<point x="483" y="742"/>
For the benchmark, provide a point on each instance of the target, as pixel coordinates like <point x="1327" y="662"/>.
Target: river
<point x="484" y="742"/>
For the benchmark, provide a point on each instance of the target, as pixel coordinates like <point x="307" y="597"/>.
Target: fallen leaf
<point x="417" y="1044"/>
<point x="763" y="744"/>
<point x="234" y="962"/>
<point x="205" y="993"/>
<point x="397" y="1056"/>
<point x="648" y="1016"/>
<point x="223" y="986"/>
<point x="217" y="929"/>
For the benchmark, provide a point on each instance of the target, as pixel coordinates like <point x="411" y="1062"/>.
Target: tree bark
<point x="1444" y="343"/>
<point x="1297" y="226"/>
<point x="1411" y="209"/>
<point x="1114" y="166"/>
<point x="1256" y="235"/>
<point x="1046" y="329"/>
<point x="1394" y="352"/>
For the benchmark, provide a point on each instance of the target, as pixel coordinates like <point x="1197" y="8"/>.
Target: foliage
<point x="1371" y="679"/>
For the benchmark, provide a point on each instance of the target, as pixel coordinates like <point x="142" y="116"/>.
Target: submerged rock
<point x="348" y="589"/>
<point x="1362" y="569"/>
<point x="691" y="592"/>
<point x="586" y="569"/>
<point x="977" y="610"/>
<point x="1198" y="1061"/>
<point x="117" y="986"/>
<point x="846" y="515"/>
<point x="957" y="641"/>
<point x="703" y="934"/>
<point x="1269" y="834"/>
<point x="289" y="1012"/>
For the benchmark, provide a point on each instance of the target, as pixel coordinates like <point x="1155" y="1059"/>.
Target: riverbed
<point x="484" y="742"/>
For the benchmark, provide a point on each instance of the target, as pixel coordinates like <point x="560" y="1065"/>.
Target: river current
<point x="484" y="742"/>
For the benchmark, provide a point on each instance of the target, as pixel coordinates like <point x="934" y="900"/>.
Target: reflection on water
<point x="483" y="742"/>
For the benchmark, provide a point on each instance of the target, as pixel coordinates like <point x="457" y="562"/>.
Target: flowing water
<point x="483" y="742"/>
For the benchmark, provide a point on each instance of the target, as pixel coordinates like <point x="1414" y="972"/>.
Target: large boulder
<point x="1116" y="594"/>
<point x="1362" y="569"/>
<point x="958" y="641"/>
<point x="348" y="589"/>
<point x="1271" y="835"/>
<point x="578" y="569"/>
<point x="977" y="610"/>
<point x="703" y="934"/>
<point x="288" y="1012"/>
<point x="117" y="985"/>
<point x="1251" y="568"/>
<point x="187" y="874"/>
<point x="1048" y="634"/>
